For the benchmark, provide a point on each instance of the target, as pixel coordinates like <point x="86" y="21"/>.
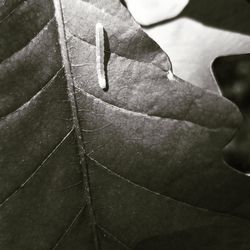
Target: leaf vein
<point x="104" y="230"/>
<point x="43" y="89"/>
<point x="147" y="115"/>
<point x="73" y="102"/>
<point x="115" y="53"/>
<point x="12" y="11"/>
<point x="218" y="213"/>
<point x="19" y="188"/>
<point x="31" y="40"/>
<point x="68" y="229"/>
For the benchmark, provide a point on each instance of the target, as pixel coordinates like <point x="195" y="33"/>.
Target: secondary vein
<point x="67" y="231"/>
<point x="219" y="213"/>
<point x="19" y="188"/>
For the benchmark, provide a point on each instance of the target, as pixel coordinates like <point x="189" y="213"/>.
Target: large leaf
<point x="86" y="169"/>
<point x="203" y="31"/>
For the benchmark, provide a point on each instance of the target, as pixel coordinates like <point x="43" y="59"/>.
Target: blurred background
<point x="233" y="77"/>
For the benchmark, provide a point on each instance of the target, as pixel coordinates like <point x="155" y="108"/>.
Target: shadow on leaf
<point x="209" y="237"/>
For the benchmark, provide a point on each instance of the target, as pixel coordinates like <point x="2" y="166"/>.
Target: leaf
<point x="203" y="31"/>
<point x="147" y="12"/>
<point x="86" y="169"/>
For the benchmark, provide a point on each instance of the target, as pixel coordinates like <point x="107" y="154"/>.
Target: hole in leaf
<point x="233" y="76"/>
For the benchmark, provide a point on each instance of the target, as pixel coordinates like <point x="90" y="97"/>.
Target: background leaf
<point x="203" y="31"/>
<point x="147" y="12"/>
<point x="200" y="34"/>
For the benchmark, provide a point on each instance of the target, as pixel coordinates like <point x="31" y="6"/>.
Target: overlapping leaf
<point x="203" y="31"/>
<point x="86" y="169"/>
<point x="147" y="12"/>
